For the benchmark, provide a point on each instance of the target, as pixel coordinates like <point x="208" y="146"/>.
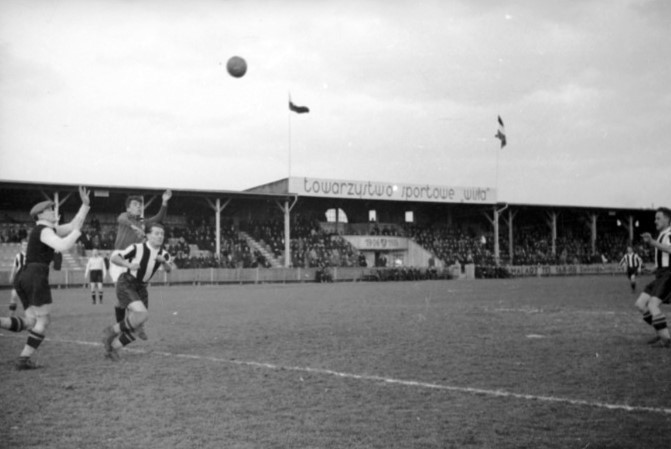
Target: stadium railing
<point x="74" y="278"/>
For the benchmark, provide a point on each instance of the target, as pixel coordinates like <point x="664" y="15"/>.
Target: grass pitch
<point x="522" y="363"/>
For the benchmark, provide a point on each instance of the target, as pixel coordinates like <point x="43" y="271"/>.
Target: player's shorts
<point x="115" y="270"/>
<point x="36" y="312"/>
<point x="96" y="276"/>
<point x="129" y="289"/>
<point x="661" y="286"/>
<point x="632" y="272"/>
<point x="32" y="285"/>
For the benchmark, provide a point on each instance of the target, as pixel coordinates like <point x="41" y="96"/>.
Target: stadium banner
<point x="335" y="188"/>
<point x="377" y="243"/>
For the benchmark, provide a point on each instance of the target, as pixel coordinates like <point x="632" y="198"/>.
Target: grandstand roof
<point x="16" y="195"/>
<point x="22" y="195"/>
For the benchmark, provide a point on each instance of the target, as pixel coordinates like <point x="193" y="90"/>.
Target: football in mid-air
<point x="236" y="66"/>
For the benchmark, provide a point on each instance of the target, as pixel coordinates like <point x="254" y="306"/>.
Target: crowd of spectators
<point x="531" y="246"/>
<point x="13" y="232"/>
<point x="452" y="245"/>
<point x="311" y="247"/>
<point x="193" y="243"/>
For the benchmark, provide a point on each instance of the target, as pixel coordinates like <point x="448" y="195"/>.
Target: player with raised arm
<point x="32" y="283"/>
<point x="659" y="290"/>
<point x="130" y="230"/>
<point x="140" y="261"/>
<point x="633" y="265"/>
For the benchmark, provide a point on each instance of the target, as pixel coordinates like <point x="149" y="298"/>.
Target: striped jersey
<point x="19" y="262"/>
<point x="662" y="258"/>
<point x="631" y="260"/>
<point x="145" y="255"/>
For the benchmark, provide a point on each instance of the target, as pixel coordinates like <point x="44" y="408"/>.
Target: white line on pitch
<point x="389" y="380"/>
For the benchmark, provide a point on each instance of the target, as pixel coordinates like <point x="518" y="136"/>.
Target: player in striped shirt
<point x="131" y="227"/>
<point x="141" y="261"/>
<point x="633" y="264"/>
<point x="659" y="290"/>
<point x="17" y="266"/>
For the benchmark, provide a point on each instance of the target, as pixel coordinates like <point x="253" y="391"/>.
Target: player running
<point x="141" y="261"/>
<point x="131" y="229"/>
<point x="659" y="290"/>
<point x="32" y="283"/>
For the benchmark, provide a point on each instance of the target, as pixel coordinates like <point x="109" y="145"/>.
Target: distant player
<point x="633" y="265"/>
<point x="17" y="266"/>
<point x="140" y="261"/>
<point x="96" y="272"/>
<point x="659" y="290"/>
<point x="32" y="283"/>
<point x="131" y="227"/>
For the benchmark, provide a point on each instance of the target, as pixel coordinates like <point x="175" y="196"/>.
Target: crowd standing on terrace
<point x="193" y="244"/>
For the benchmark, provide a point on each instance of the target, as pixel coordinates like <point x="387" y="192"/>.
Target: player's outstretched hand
<point x="167" y="195"/>
<point x="84" y="195"/>
<point x="647" y="238"/>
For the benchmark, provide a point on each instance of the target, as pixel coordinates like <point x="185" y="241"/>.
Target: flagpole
<point x="498" y="153"/>
<point x="289" y="143"/>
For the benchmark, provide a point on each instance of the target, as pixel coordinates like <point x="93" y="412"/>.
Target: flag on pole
<point x="501" y="133"/>
<point x="298" y="109"/>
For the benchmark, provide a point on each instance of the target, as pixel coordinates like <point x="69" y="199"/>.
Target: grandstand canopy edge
<point x="23" y="195"/>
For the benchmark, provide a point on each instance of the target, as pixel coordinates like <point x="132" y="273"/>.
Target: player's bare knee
<point x="642" y="302"/>
<point x="29" y="322"/>
<point x="41" y="324"/>
<point x="654" y="306"/>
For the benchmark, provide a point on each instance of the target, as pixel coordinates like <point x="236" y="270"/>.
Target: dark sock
<point x="125" y="326"/>
<point x="126" y="338"/>
<point x="17" y="324"/>
<point x="120" y="313"/>
<point x="659" y="323"/>
<point x="34" y="339"/>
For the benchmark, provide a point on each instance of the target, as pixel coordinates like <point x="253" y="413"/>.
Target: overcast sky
<point x="136" y="93"/>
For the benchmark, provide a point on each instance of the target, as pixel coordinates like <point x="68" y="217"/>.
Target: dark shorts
<point x="129" y="289"/>
<point x="96" y="276"/>
<point x="661" y="286"/>
<point x="32" y="285"/>
<point x="632" y="272"/>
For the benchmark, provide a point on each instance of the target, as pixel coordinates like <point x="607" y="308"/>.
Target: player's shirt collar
<point x="46" y="223"/>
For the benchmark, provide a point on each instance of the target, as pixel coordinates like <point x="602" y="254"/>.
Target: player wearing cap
<point x="32" y="283"/>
